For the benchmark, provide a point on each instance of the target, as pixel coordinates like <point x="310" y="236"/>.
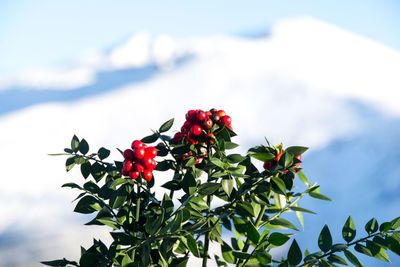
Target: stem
<point x="138" y="203"/>
<point x="206" y="237"/>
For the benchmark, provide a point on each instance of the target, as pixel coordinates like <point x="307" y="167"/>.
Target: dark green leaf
<point x="278" y="239"/>
<point x="59" y="263"/>
<point x="337" y="259"/>
<point x="166" y="126"/>
<point x="86" y="169"/>
<point x="217" y="162"/>
<point x="284" y="223"/>
<point x="294" y="254"/>
<point x="181" y="149"/>
<point x="352" y="258"/>
<point x="192" y="245"/>
<point x="362" y="249"/>
<point x="83" y="146"/>
<point x="245" y="209"/>
<point x="349" y="230"/>
<point x="103" y="153"/>
<point x="386" y="226"/>
<point x="87" y="204"/>
<point x="150" y="139"/>
<point x="227" y="253"/>
<point x="189" y="183"/>
<point x="230" y="145"/>
<point x="316" y="193"/>
<point x="296" y="150"/>
<point x="396" y="223"/>
<point x="70" y="163"/>
<point x="72" y="185"/>
<point x="75" y="143"/>
<point x="325" y="239"/>
<point x="235" y="158"/>
<point x="172" y="185"/>
<point x="240" y="225"/>
<point x="377" y="251"/>
<point x="339" y="247"/>
<point x="220" y="262"/>
<point x="371" y="226"/>
<point x="91" y="187"/>
<point x="118" y="197"/>
<point x="393" y="245"/>
<point x="278" y="186"/>
<point x="301" y="209"/>
<point x="209" y="188"/>
<point x="252" y="233"/>
<point x="241" y="255"/>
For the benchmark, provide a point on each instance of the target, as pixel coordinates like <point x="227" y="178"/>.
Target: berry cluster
<point x="270" y="164"/>
<point x="198" y="125"/>
<point x="139" y="159"/>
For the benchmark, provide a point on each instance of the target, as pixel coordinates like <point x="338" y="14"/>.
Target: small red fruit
<point x="269" y="165"/>
<point x="147" y="174"/>
<point x="134" y="174"/>
<point x="191" y="115"/>
<point x="151" y="152"/>
<point x="125" y="172"/>
<point x="139" y="152"/>
<point x="227" y="120"/>
<point x="201" y="116"/>
<point x="196" y="130"/>
<point x="137" y="143"/>
<point x="221" y="113"/>
<point x="178" y="137"/>
<point x="138" y="167"/>
<point x="149" y="163"/>
<point x="207" y="124"/>
<point x="299" y="157"/>
<point x="128" y="165"/>
<point x="128" y="154"/>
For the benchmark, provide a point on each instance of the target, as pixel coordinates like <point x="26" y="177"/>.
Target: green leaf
<point x="227" y="253"/>
<point x="263" y="156"/>
<point x="192" y="245"/>
<point x="296" y="208"/>
<point x="166" y="126"/>
<point x="220" y="262"/>
<point x="150" y="139"/>
<point x="241" y="255"/>
<point x="296" y="150"/>
<point x="396" y="223"/>
<point x="315" y="193"/>
<point x="109" y="222"/>
<point x="325" y="239"/>
<point x="230" y="145"/>
<point x="71" y="185"/>
<point x="252" y="233"/>
<point x="70" y="163"/>
<point x="240" y="225"/>
<point x="362" y="249"/>
<point x="189" y="183"/>
<point x="227" y="185"/>
<point x="87" y="204"/>
<point x="179" y="262"/>
<point x="177" y="222"/>
<point x="91" y="187"/>
<point x="386" y="226"/>
<point x="294" y="254"/>
<point x="278" y="239"/>
<point x="284" y="223"/>
<point x="337" y="259"/>
<point x="393" y="245"/>
<point x="303" y="178"/>
<point x="103" y="153"/>
<point x="245" y="209"/>
<point x="371" y="226"/>
<point x="217" y="162"/>
<point x="62" y="262"/>
<point x="377" y="251"/>
<point x="86" y="169"/>
<point x="75" y="143"/>
<point x="339" y="247"/>
<point x="235" y="158"/>
<point x="83" y="146"/>
<point x="353" y="259"/>
<point x="349" y="230"/>
<point x="299" y="216"/>
<point x="118" y="197"/>
<point x="208" y="188"/>
<point x="278" y="185"/>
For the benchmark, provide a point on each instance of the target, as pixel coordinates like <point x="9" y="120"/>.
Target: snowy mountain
<point x="306" y="83"/>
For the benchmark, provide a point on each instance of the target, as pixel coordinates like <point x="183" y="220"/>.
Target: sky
<point x="45" y="33"/>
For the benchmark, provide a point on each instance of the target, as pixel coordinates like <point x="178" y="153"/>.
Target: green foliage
<point x="147" y="231"/>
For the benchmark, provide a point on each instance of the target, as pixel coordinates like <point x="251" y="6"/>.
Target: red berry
<point x="186" y="127"/>
<point x="147" y="174"/>
<point x="269" y="165"/>
<point x="137" y="143"/>
<point x="191" y="115"/>
<point x="128" y="154"/>
<point x="125" y="172"/>
<point x="208" y="113"/>
<point x="138" y="167"/>
<point x="299" y="157"/>
<point x="134" y="174"/>
<point x="221" y="113"/>
<point x="207" y="124"/>
<point x="279" y="155"/>
<point x="139" y="152"/>
<point x="227" y="120"/>
<point x="201" y="116"/>
<point x="196" y="130"/>
<point x="178" y="137"/>
<point x="198" y="160"/>
<point x="151" y="152"/>
<point x="128" y="165"/>
<point x="149" y="163"/>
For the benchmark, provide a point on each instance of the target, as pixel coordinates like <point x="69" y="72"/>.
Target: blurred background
<point x="322" y="74"/>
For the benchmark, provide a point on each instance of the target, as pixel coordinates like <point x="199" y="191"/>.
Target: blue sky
<point x="46" y="32"/>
